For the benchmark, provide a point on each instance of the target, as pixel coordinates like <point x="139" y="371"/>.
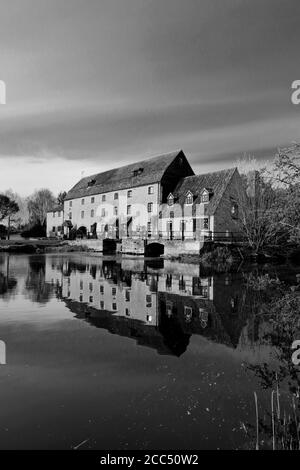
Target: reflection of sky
<point x="91" y="85"/>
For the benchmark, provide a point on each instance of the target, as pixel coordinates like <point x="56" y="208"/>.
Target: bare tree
<point x="39" y="204"/>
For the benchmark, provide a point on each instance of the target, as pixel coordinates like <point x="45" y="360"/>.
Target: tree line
<point x="27" y="215"/>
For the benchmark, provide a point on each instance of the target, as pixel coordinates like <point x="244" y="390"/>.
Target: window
<point x="150" y="206"/>
<point x="138" y="172"/>
<point x="206" y="224"/>
<point x="53" y="229"/>
<point x="128" y="210"/>
<point x="101" y="289"/>
<point x="70" y="215"/>
<point x="149" y="227"/>
<point x="170" y="200"/>
<point x="148" y="301"/>
<point x="189" y="198"/>
<point x="101" y="305"/>
<point x="151" y="190"/>
<point x="91" y="286"/>
<point x="114" y="306"/>
<point x="81" y="284"/>
<point x="80" y="298"/>
<point x="92" y="213"/>
<point x="113" y="291"/>
<point x="129" y="193"/>
<point x="172" y="215"/>
<point x="127" y="296"/>
<point x="91" y="182"/>
<point x="82" y="202"/>
<point x="70" y="203"/>
<point x="115" y="210"/>
<point x="127" y="312"/>
<point x="103" y="213"/>
<point x="205" y="197"/>
<point x="103" y="198"/>
<point x="92" y="200"/>
<point x="234" y="210"/>
<point x="116" y="196"/>
<point x="91" y="299"/>
<point x="188" y="314"/>
<point x="160" y="215"/>
<point x="149" y="318"/>
<point x="82" y="214"/>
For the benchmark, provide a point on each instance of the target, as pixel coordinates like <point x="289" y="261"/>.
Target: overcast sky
<point x="94" y="84"/>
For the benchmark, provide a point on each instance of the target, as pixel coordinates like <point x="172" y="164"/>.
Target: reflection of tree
<point x="281" y="376"/>
<point x="174" y="336"/>
<point x="38" y="290"/>
<point x="7" y="283"/>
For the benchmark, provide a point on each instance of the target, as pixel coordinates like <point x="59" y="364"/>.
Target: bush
<point x="35" y="231"/>
<point x="220" y="257"/>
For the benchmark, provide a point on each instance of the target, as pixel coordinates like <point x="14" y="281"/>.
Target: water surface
<point x="128" y="354"/>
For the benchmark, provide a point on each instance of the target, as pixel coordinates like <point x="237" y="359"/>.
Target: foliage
<point x="61" y="197"/>
<point x="34" y="231"/>
<point x="8" y="207"/>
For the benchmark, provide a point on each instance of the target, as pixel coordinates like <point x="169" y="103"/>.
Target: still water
<point x="128" y="354"/>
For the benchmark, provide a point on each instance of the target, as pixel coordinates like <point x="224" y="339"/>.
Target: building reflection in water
<point x="160" y="306"/>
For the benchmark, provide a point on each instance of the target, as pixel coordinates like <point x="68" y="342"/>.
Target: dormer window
<point x="170" y="199"/>
<point x="91" y="182"/>
<point x="138" y="171"/>
<point x="205" y="196"/>
<point x="189" y="198"/>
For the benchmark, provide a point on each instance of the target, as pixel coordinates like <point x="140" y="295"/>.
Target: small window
<point x="113" y="291"/>
<point x="82" y="202"/>
<point x="205" y="197"/>
<point x="92" y="213"/>
<point x="103" y="198"/>
<point x="138" y="172"/>
<point x="101" y="289"/>
<point x="116" y="196"/>
<point x="91" y="182"/>
<point x="149" y="227"/>
<point x="129" y="193"/>
<point x="172" y="215"/>
<point x="80" y="298"/>
<point x="101" y="305"/>
<point x="150" y="206"/>
<point x="160" y="215"/>
<point x="170" y="200"/>
<point x="91" y="298"/>
<point x="92" y="200"/>
<point x="128" y="210"/>
<point x="127" y="312"/>
<point x="82" y="214"/>
<point x="53" y="229"/>
<point x="115" y="210"/>
<point x="189" y="198"/>
<point x="151" y="190"/>
<point x="149" y="318"/>
<point x="188" y="314"/>
<point x="234" y="210"/>
<point x="70" y="215"/>
<point x="114" y="306"/>
<point x="127" y="296"/>
<point x="70" y="203"/>
<point x="206" y="224"/>
<point x="103" y="213"/>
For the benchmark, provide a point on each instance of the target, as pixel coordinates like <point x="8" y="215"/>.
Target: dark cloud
<point x="111" y="79"/>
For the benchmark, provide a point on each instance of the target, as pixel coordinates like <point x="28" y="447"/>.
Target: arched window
<point x="170" y="199"/>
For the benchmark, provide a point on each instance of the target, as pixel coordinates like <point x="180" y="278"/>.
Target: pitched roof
<point x="217" y="181"/>
<point x="57" y="208"/>
<point x="153" y="170"/>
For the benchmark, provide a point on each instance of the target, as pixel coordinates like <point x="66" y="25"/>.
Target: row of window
<point x="116" y="211"/>
<point x="189" y="199"/>
<point x="116" y="196"/>
<point x="58" y="214"/>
